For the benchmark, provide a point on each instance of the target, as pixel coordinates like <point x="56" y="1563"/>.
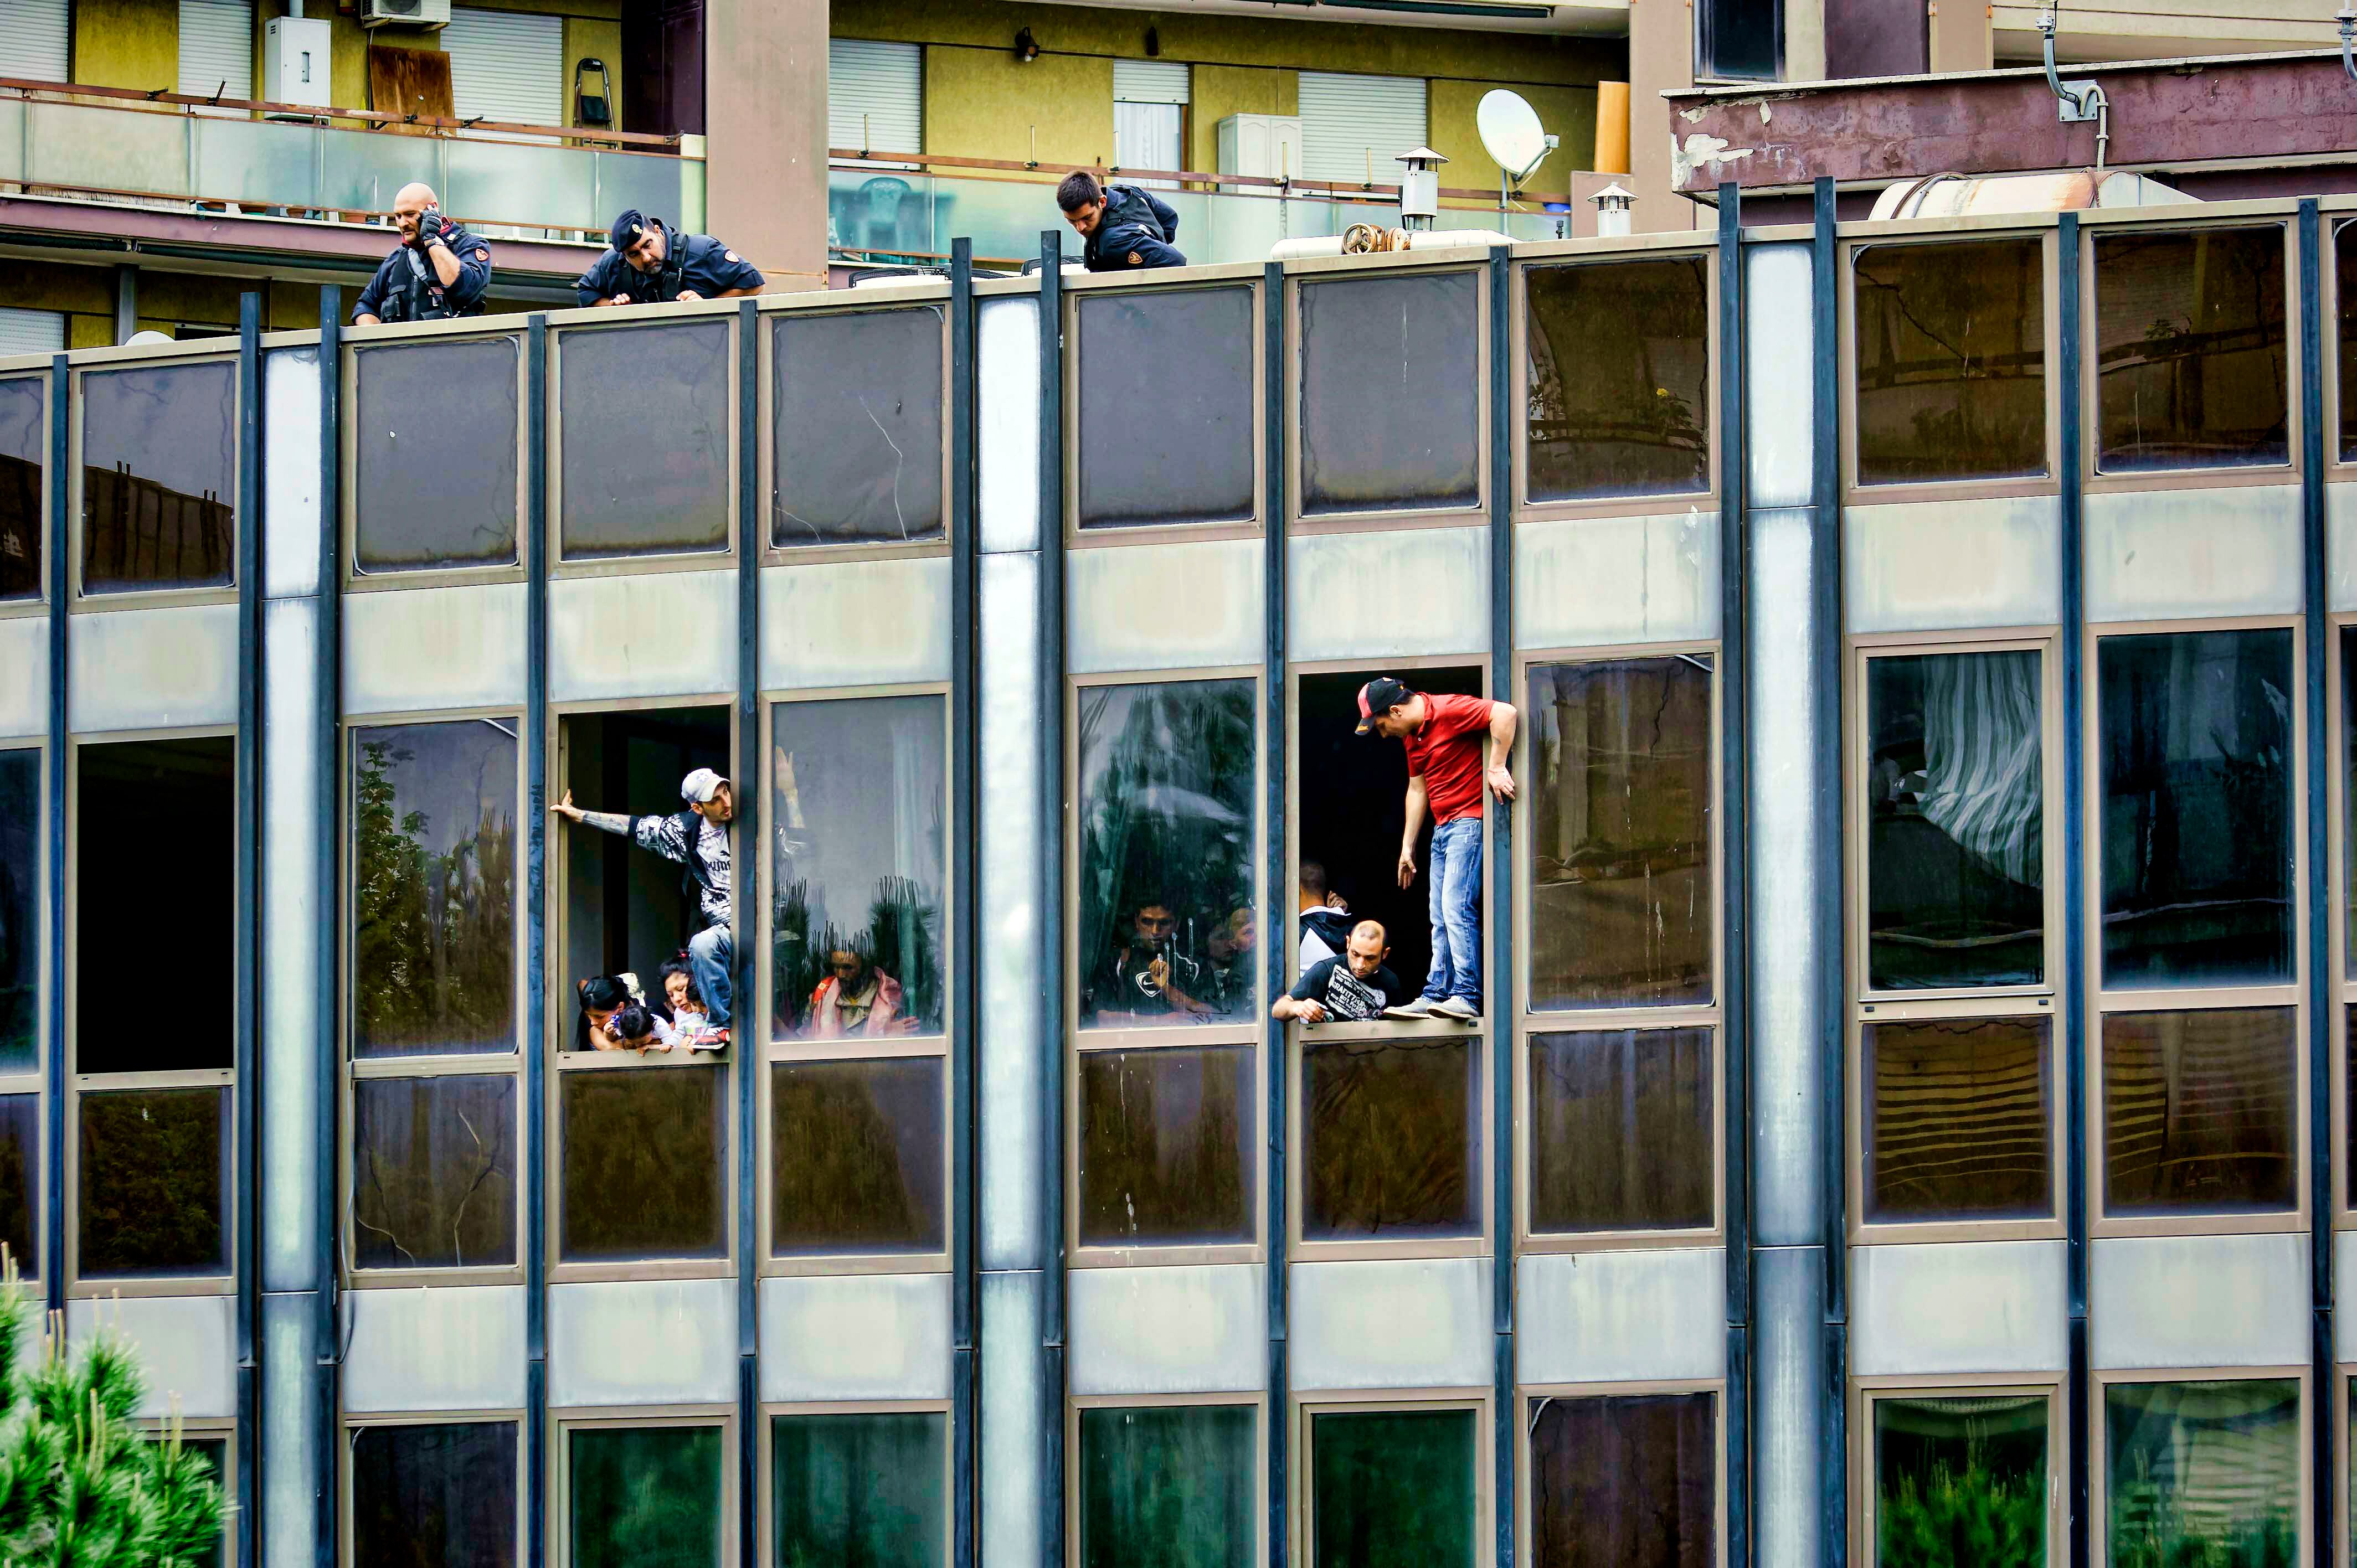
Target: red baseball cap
<point x="1380" y="695"/>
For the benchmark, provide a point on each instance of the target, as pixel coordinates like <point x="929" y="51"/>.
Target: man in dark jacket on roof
<point x="650" y="264"/>
<point x="1125" y="227"/>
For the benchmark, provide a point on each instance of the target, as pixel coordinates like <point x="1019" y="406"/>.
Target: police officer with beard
<point x="650" y="264"/>
<point x="1125" y="227"/>
<point x="437" y="271"/>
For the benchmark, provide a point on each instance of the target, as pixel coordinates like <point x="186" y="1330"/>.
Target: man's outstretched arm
<point x="660" y="834"/>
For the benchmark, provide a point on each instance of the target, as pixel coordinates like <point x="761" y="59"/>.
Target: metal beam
<point x="745" y="1015"/>
<point x="2072" y="1002"/>
<point x="61" y="591"/>
<point x="1053" y="1003"/>
<point x="246" y="1163"/>
<point x="1500" y="1006"/>
<point x="535" y="962"/>
<point x="1277" y="950"/>
<point x="965" y="927"/>
<point x="2323" y="1025"/>
<point x="327" y="889"/>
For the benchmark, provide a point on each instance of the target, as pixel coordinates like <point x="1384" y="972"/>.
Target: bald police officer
<point x="650" y="264"/>
<point x="1124" y="226"/>
<point x="437" y="271"/>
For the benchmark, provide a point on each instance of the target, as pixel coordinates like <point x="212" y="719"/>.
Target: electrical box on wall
<point x="294" y="60"/>
<point x="1268" y="145"/>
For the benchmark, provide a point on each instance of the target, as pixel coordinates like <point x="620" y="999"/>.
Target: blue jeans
<point x="1455" y="879"/>
<point x="712" y="952"/>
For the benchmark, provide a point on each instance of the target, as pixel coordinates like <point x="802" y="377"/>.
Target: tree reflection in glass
<point x="1960" y="1480"/>
<point x="2203" y="1474"/>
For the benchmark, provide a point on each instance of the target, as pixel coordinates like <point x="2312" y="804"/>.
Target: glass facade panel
<point x="1620" y="856"/>
<point x="1170" y="374"/>
<point x="2200" y="1110"/>
<point x="23" y="457"/>
<point x="1951" y="345"/>
<point x="645" y="1162"/>
<point x="20" y="1180"/>
<point x="158" y="477"/>
<point x="434" y="1496"/>
<point x="856" y="1156"/>
<point x="648" y="472"/>
<point x="2344" y="294"/>
<point x="1392" y="1134"/>
<point x="1620" y="398"/>
<point x="2190" y="349"/>
<point x="21" y="836"/>
<point x="860" y="1491"/>
<point x="1391" y="1487"/>
<point x="1167" y="1487"/>
<point x="433" y="877"/>
<point x="434" y="1178"/>
<point x="1622" y="1131"/>
<point x="1626" y="1479"/>
<point x="1956" y="840"/>
<point x="643" y="1497"/>
<point x="1167" y="825"/>
<point x="154" y="1183"/>
<point x="2197" y="826"/>
<point x="1963" y="1479"/>
<point x="1957" y="1115"/>
<point x="2203" y="1472"/>
<point x="861" y="795"/>
<point x="855" y="426"/>
<point x="1374" y="438"/>
<point x="214" y="1452"/>
<point x="434" y="485"/>
<point x="1167" y="1142"/>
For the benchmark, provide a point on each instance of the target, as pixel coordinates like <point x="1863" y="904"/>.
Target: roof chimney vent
<point x="1420" y="188"/>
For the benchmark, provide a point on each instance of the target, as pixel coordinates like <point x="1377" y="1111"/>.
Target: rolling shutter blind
<point x="32" y="331"/>
<point x="885" y="83"/>
<point x="506" y="66"/>
<point x="1349" y="122"/>
<point x="217" y="48"/>
<point x="1149" y="82"/>
<point x="33" y="40"/>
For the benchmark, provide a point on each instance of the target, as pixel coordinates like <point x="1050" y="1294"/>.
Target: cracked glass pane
<point x="855" y="426"/>
<point x="434" y="1172"/>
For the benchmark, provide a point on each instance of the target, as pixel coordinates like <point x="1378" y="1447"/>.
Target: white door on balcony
<point x="506" y="66"/>
<point x="217" y="50"/>
<point x="33" y="36"/>
<point x="1149" y="117"/>
<point x="1353" y="124"/>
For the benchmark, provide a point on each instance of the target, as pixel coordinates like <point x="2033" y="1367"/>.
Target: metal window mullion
<point x="744" y="907"/>
<point x="1276" y="1048"/>
<point x="2072" y="1005"/>
<point x="1504" y="960"/>
<point x="327" y="891"/>
<point x="965" y="927"/>
<point x="245" y="1263"/>
<point x="2316" y="631"/>
<point x="1054" y="1005"/>
<point x="535" y="1003"/>
<point x="53" y="1182"/>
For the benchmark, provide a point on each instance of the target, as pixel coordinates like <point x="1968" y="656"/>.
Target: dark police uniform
<point x="690" y="261"/>
<point x="406" y="289"/>
<point x="1136" y="229"/>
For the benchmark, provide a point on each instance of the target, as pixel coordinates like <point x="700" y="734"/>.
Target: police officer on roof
<point x="650" y="264"/>
<point x="436" y="272"/>
<point x="1125" y="227"/>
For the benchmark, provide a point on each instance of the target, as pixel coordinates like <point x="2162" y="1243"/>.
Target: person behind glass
<point x="856" y="998"/>
<point x="1146" y="979"/>
<point x="698" y="838"/>
<point x="649" y="263"/>
<point x="677" y="977"/>
<point x="1351" y="988"/>
<point x="1444" y="737"/>
<point x="1325" y="917"/>
<point x="1123" y="227"/>
<point x="437" y="272"/>
<point x="1228" y="975"/>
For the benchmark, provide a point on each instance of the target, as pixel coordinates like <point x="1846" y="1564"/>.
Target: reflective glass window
<point x="2202" y="1472"/>
<point x="2200" y="1110"/>
<point x="435" y="455"/>
<point x="1167" y="814"/>
<point x="1628" y="1479"/>
<point x="868" y="1490"/>
<point x="1391" y="1487"/>
<point x="2191" y="369"/>
<point x="1619" y="400"/>
<point x="858" y="835"/>
<point x="1622" y="1130"/>
<point x="1167" y="1487"/>
<point x="1951" y="345"/>
<point x="20" y="1180"/>
<point x="1166" y="386"/>
<point x="434" y="1177"/>
<point x="645" y="467"/>
<point x="1962" y="1478"/>
<point x="2348" y="801"/>
<point x="2197" y="826"/>
<point x="1620" y="856"/>
<point x="2344" y="293"/>
<point x="643" y="1497"/>
<point x="214" y="1452"/>
<point x="644" y="1166"/>
<point x="434" y="877"/>
<point x="154" y="1183"/>
<point x="23" y="457"/>
<point x="855" y="426"/>
<point x="1957" y="1114"/>
<point x="159" y="477"/>
<point x="21" y="834"/>
<point x="1391" y="1139"/>
<point x="1956" y="840"/>
<point x="438" y="1495"/>
<point x="856" y="1156"/>
<point x="1167" y="1142"/>
<point x="1391" y="392"/>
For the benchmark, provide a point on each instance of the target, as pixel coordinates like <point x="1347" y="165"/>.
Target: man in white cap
<point x="698" y="838"/>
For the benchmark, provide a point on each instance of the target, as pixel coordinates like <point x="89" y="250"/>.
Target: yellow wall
<point x="127" y="43"/>
<point x="981" y="103"/>
<point x="587" y="37"/>
<point x="1566" y="112"/>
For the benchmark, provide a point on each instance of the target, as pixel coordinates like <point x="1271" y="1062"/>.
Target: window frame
<point x="2338" y="216"/>
<point x="352" y="1070"/>
<point x="778" y="1053"/>
<point x="356" y="342"/>
<point x="209" y="1429"/>
<point x="1865" y="1392"/>
<point x="1529" y="1022"/>
<point x="2101" y="1379"/>
<point x="1307" y="1405"/>
<point x="562" y="1424"/>
<point x="1853" y="492"/>
<point x="622" y="318"/>
<point x="34" y="1080"/>
<point x="1530" y="1397"/>
<point x="1308" y="274"/>
<point x="80" y="1085"/>
<point x="1075" y="1404"/>
<point x="1249" y="1033"/>
<point x="38" y="603"/>
<point x="2287" y="995"/>
<point x="159" y="356"/>
<point x="1639" y="248"/>
<point x="2340" y="932"/>
<point x="916" y="295"/>
<point x="350" y="1424"/>
<point x="767" y="1412"/>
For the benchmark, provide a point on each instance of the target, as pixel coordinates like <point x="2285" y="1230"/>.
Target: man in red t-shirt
<point x="1444" y="736"/>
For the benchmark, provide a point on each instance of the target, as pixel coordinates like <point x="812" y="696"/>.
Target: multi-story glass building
<point x="1910" y="1106"/>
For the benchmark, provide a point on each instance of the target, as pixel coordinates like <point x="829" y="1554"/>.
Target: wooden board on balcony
<point x="411" y="81"/>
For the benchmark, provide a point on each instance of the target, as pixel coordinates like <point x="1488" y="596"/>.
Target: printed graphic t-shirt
<point x="1346" y="998"/>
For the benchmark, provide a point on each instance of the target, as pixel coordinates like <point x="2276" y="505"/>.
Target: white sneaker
<point x="1456" y="1007"/>
<point x="1420" y="1008"/>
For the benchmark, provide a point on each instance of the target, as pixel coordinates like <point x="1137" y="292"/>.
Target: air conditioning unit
<point x="405" y="13"/>
<point x="294" y="60"/>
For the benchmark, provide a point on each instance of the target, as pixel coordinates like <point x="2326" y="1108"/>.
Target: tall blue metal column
<point x="246" y="1164"/>
<point x="535" y="970"/>
<point x="745" y="906"/>
<point x="327" y="738"/>
<point x="1505" y="967"/>
<point x="964" y="991"/>
<point x="1277" y="952"/>
<point x="1055" y="1464"/>
<point x="2072" y="521"/>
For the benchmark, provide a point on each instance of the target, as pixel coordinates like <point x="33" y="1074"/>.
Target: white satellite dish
<point x="1511" y="134"/>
